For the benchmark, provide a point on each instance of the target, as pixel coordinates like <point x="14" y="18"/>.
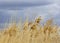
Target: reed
<point x="32" y="32"/>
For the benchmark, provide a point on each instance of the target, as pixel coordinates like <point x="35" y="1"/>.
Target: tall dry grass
<point x="31" y="32"/>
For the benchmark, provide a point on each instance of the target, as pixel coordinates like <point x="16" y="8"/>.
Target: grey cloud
<point x="23" y="4"/>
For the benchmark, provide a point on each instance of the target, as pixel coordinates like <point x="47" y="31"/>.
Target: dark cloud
<point x="21" y="5"/>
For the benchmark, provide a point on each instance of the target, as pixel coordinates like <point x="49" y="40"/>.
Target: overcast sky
<point x="30" y="8"/>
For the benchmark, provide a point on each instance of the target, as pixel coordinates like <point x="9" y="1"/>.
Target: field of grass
<point x="31" y="32"/>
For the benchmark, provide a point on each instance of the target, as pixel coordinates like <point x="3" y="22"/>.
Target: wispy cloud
<point x="50" y="10"/>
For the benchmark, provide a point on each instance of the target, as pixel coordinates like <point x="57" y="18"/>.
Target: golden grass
<point x="31" y="32"/>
